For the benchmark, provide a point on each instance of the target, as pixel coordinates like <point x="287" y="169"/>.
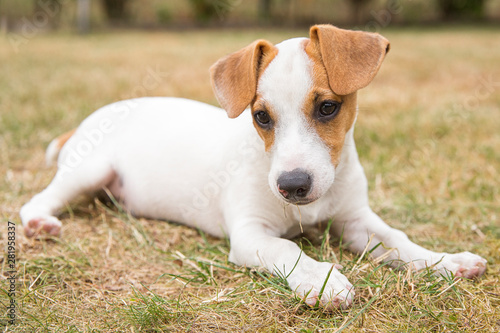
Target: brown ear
<point x="351" y="58"/>
<point x="234" y="77"/>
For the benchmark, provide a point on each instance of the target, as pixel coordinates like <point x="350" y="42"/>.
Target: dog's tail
<point x="55" y="147"/>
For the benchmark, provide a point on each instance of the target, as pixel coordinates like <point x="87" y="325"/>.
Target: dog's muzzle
<point x="295" y="185"/>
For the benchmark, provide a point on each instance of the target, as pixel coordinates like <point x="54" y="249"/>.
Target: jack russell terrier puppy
<point x="290" y="160"/>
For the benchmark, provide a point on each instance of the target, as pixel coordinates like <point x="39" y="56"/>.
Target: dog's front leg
<point x="358" y="230"/>
<point x="255" y="244"/>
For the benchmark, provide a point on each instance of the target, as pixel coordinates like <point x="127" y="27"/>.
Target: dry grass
<point x="428" y="135"/>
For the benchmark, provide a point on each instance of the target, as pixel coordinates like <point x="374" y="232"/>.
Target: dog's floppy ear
<point x="351" y="58"/>
<point x="234" y="77"/>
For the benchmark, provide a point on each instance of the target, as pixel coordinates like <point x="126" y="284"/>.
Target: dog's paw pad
<point x="330" y="299"/>
<point x="466" y="265"/>
<point x="329" y="303"/>
<point x="469" y="272"/>
<point x="43" y="225"/>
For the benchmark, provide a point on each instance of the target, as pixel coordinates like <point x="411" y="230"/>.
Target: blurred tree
<point x="204" y="10"/>
<point x="460" y="9"/>
<point x="207" y="10"/>
<point x="264" y="10"/>
<point x="49" y="10"/>
<point x="357" y="10"/>
<point x="4" y="23"/>
<point x="83" y="16"/>
<point x="116" y="10"/>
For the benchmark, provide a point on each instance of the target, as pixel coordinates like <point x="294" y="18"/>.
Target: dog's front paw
<point x="311" y="285"/>
<point x="464" y="264"/>
<point x="48" y="225"/>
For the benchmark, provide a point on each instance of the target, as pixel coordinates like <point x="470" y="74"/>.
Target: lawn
<point x="428" y="134"/>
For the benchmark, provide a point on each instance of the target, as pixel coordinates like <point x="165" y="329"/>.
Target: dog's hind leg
<point x="38" y="215"/>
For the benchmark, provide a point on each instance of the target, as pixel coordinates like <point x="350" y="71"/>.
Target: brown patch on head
<point x="258" y="104"/>
<point x="342" y="62"/>
<point x="332" y="132"/>
<point x="266" y="134"/>
<point x="234" y="77"/>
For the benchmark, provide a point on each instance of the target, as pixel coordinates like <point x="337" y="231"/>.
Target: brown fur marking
<point x="61" y="139"/>
<point x="333" y="132"/>
<point x="266" y="134"/>
<point x="343" y="61"/>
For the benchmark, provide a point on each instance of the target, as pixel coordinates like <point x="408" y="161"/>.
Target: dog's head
<point x="302" y="95"/>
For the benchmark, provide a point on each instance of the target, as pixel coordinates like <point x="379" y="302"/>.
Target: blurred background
<point x="91" y="15"/>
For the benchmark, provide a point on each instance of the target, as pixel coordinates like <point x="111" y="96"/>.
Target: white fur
<point x="51" y="153"/>
<point x="184" y="161"/>
<point x="297" y="145"/>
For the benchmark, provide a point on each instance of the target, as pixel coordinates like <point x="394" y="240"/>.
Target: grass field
<point x="428" y="134"/>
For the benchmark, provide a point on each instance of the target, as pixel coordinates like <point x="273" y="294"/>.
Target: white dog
<point x="184" y="161"/>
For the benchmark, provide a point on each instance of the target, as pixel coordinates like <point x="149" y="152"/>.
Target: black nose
<point x="294" y="185"/>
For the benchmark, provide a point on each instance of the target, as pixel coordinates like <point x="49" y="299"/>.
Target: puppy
<point x="287" y="161"/>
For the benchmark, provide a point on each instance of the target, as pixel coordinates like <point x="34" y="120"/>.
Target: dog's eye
<point x="262" y="118"/>
<point x="329" y="109"/>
